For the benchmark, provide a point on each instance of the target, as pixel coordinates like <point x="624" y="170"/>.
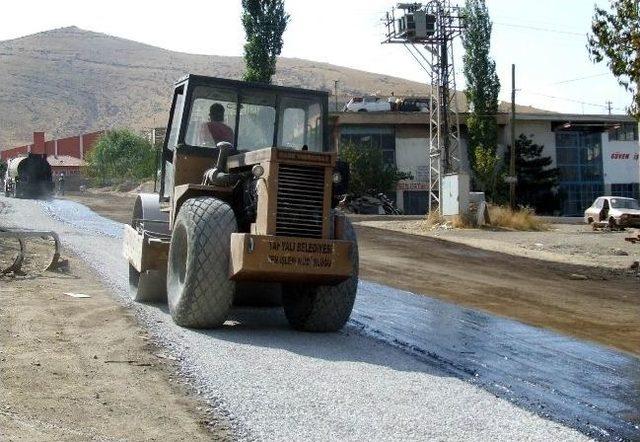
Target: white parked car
<point x="367" y="104"/>
<point x="615" y="211"/>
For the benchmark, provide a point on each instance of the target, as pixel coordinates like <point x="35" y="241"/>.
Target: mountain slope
<point x="67" y="81"/>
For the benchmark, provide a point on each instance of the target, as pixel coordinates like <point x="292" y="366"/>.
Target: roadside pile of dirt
<point x="75" y="366"/>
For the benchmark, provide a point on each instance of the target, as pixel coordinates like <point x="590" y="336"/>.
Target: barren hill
<point x="67" y="81"/>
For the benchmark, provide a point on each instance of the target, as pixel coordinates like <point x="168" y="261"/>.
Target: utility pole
<point x="427" y="31"/>
<point x="335" y="94"/>
<point x="609" y="103"/>
<point x="512" y="159"/>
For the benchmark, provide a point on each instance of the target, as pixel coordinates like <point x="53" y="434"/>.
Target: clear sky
<point x="544" y="38"/>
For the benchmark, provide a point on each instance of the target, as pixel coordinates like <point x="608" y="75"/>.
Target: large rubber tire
<point x="150" y="286"/>
<point x="198" y="287"/>
<point x="323" y="308"/>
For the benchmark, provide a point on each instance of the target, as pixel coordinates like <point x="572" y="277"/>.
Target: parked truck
<point x="28" y="176"/>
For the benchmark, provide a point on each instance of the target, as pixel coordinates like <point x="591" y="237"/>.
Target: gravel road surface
<point x="405" y="368"/>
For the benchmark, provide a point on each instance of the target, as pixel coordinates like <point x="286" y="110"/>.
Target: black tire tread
<point x="207" y="293"/>
<point x="323" y="308"/>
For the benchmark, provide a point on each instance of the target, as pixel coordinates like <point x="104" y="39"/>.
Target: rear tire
<point x="323" y="308"/>
<point x="199" y="291"/>
<point x="148" y="286"/>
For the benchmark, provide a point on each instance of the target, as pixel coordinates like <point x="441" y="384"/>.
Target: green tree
<point x="368" y="173"/>
<point x="121" y="155"/>
<point x="264" y="23"/>
<point x="483" y="87"/>
<point x="616" y="37"/>
<point x="487" y="173"/>
<point x="537" y="182"/>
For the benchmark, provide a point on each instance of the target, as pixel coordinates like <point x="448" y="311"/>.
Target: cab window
<point x="257" y="121"/>
<point x="212" y="117"/>
<point x="172" y="141"/>
<point x="176" y="119"/>
<point x="300" y="124"/>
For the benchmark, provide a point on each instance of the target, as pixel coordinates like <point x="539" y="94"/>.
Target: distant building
<point x="595" y="154"/>
<point x="77" y="146"/>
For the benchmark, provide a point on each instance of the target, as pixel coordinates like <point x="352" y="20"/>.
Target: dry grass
<point x="464" y="222"/>
<point x="433" y="221"/>
<point x="523" y="219"/>
<point x="501" y="217"/>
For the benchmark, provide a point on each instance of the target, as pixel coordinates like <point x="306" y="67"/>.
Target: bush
<point x="119" y="156"/>
<point x="369" y="174"/>
<point x="523" y="219"/>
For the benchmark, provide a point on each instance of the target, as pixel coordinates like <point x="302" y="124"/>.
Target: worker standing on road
<point x="61" y="184"/>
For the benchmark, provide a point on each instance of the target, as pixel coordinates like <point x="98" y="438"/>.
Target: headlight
<point x="257" y="171"/>
<point x="336" y="178"/>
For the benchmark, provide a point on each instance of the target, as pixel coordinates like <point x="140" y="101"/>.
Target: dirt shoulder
<point x="81" y="369"/>
<point x="562" y="243"/>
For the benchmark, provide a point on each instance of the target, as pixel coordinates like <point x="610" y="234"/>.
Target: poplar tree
<point x="264" y="24"/>
<point x="483" y="87"/>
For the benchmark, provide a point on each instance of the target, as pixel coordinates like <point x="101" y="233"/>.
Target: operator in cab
<point x="215" y="130"/>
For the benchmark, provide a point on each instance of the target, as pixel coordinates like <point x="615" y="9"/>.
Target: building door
<point x="416" y="202"/>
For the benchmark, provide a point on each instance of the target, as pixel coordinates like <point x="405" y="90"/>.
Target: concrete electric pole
<point x="512" y="158"/>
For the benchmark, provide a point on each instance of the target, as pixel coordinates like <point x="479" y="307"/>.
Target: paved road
<point x="405" y="368"/>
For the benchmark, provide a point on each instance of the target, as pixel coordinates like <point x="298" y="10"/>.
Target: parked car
<point x="615" y="211"/>
<point x="367" y="104"/>
<point x="415" y="104"/>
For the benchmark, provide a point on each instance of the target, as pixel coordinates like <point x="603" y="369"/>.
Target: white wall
<point x="541" y="134"/>
<point x="620" y="161"/>
<point x="411" y="157"/>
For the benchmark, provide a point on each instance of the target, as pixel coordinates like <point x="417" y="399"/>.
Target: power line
<point x="580" y="78"/>
<point x="535" y="23"/>
<point x="535" y="28"/>
<point x="570" y="100"/>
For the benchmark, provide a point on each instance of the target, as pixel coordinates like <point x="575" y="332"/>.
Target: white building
<point x="595" y="154"/>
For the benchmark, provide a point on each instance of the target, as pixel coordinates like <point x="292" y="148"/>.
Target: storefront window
<point x="579" y="160"/>
<point x="372" y="137"/>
